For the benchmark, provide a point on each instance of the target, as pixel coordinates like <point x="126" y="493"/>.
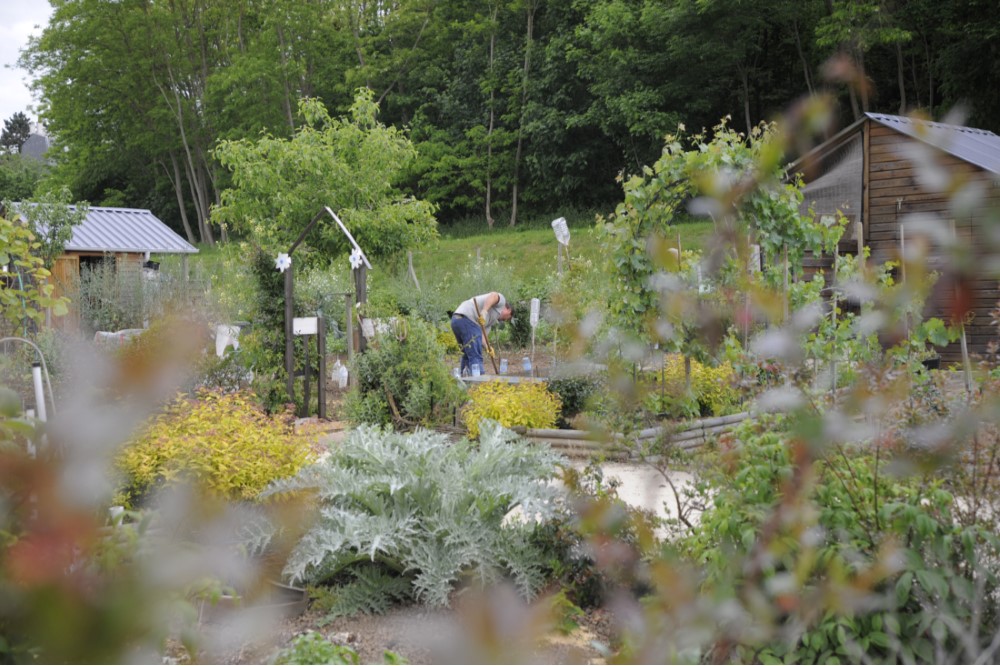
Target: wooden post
<point x="306" y="371"/>
<point x="785" y="255"/>
<point x="349" y="329"/>
<point x="184" y="266"/>
<point x="321" y="351"/>
<point x="289" y="338"/>
<point x="559" y="257"/>
<point x="902" y="279"/>
<point x="361" y="289"/>
<point x="859" y="230"/>
<point x="966" y="362"/>
<point x="833" y="293"/>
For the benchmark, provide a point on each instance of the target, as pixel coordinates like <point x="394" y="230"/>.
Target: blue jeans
<point x="470" y="339"/>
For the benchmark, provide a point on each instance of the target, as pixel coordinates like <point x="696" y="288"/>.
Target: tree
<point x="19" y="174"/>
<point x="349" y="164"/>
<point x="16" y="131"/>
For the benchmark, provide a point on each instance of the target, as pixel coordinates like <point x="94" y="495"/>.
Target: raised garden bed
<point x="620" y="447"/>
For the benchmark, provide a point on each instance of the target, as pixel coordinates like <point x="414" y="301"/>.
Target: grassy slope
<point x="530" y="252"/>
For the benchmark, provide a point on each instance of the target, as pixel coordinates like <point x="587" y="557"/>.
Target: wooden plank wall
<point x="892" y="177"/>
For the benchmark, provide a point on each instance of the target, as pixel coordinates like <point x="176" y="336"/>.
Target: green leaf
<point x="933" y="582"/>
<point x="939" y="631"/>
<point x="903" y="587"/>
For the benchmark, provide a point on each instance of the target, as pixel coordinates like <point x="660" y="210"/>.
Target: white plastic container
<point x="561" y="230"/>
<point x="339" y="374"/>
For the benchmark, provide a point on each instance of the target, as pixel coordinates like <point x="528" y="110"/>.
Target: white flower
<point x="356" y="259"/>
<point x="283" y="262"/>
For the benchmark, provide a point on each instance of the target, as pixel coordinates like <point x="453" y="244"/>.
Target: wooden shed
<point x="871" y="172"/>
<point x="128" y="235"/>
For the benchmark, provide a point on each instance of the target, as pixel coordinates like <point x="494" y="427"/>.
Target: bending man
<point x="468" y="325"/>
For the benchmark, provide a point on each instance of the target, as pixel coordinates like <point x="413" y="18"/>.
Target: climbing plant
<point x="735" y="179"/>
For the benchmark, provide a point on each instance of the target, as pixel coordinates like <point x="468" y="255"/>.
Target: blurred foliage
<point x="528" y="404"/>
<point x="313" y="648"/>
<point x="221" y="444"/>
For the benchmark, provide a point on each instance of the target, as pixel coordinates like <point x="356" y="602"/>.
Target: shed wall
<point x="894" y="192"/>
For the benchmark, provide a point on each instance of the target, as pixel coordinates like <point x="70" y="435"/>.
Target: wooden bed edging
<point x="687" y="436"/>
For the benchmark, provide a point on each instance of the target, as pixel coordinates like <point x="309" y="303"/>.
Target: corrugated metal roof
<point x="976" y="146"/>
<point x="122" y="230"/>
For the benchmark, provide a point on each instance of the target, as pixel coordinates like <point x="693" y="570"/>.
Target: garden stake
<point x="486" y="338"/>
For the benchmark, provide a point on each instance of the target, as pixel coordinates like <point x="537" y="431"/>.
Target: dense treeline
<point x="513" y="105"/>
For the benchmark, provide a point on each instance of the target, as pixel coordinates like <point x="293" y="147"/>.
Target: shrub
<point x="407" y="515"/>
<point x="713" y="391"/>
<point x="574" y="393"/>
<point x="404" y="380"/>
<point x="222" y="443"/>
<point x="926" y="577"/>
<point x="527" y="404"/>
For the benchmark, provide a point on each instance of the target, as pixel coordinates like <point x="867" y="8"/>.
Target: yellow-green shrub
<point x="712" y="387"/>
<point x="447" y="340"/>
<point x="528" y="404"/>
<point x="222" y="443"/>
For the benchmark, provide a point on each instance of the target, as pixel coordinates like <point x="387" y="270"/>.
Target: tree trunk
<point x="899" y="74"/>
<point x="175" y="180"/>
<point x="286" y="101"/>
<point x="862" y="81"/>
<point x="802" y="57"/>
<point x="193" y="177"/>
<point x="745" y="80"/>
<point x="532" y="7"/>
<point x="489" y="130"/>
<point x="930" y="77"/>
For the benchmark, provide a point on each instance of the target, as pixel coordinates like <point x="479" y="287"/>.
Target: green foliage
<point x="25" y="292"/>
<point x="895" y="538"/>
<point x="528" y="404"/>
<point x="16" y="131"/>
<point x="371" y="590"/>
<point x="403" y="379"/>
<point x="350" y="165"/>
<point x="222" y="444"/>
<point x="574" y="393"/>
<point x="312" y="648"/>
<point x="426" y="509"/>
<point x="712" y="391"/>
<point x="19" y="175"/>
<point x="52" y="218"/>
<point x="639" y="233"/>
<point x="110" y="299"/>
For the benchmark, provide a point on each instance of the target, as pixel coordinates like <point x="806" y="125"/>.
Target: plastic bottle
<point x="339" y="374"/>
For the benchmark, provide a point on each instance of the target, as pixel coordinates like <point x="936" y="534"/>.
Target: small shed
<point x="867" y="172"/>
<point x="129" y="235"/>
